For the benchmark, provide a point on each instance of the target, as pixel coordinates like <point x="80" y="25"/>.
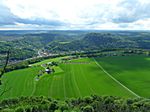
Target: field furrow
<point x="83" y="77"/>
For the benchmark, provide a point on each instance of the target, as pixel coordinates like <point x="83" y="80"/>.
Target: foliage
<point x="96" y="104"/>
<point x="26" y="44"/>
<point x="103" y="40"/>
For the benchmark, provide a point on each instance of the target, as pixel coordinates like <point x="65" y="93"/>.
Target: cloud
<point x="9" y="19"/>
<point x="39" y="21"/>
<point x="131" y="11"/>
<point x="6" y="17"/>
<point x="75" y="14"/>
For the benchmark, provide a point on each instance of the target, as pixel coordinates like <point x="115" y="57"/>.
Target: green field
<point x="119" y="76"/>
<point x="48" y="60"/>
<point x="132" y="71"/>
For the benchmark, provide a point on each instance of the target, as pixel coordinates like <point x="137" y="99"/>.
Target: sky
<point x="74" y="14"/>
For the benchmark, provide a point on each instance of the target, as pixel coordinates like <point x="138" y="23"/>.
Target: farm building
<point x="48" y="70"/>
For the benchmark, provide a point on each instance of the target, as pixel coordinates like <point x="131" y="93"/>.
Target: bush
<point x="19" y="109"/>
<point x="28" y="109"/>
<point x="35" y="109"/>
<point x="88" y="109"/>
<point x="88" y="99"/>
<point x="53" y="106"/>
<point x="64" y="107"/>
<point x="87" y="104"/>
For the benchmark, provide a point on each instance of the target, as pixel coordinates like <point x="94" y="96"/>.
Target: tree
<point x="5" y="65"/>
<point x="3" y="71"/>
<point x="88" y="108"/>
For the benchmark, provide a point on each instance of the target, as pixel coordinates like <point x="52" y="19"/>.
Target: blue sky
<point x="75" y="14"/>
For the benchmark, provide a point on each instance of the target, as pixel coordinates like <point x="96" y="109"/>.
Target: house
<point x="48" y="70"/>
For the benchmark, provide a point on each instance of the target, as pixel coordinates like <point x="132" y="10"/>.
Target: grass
<point x="20" y="82"/>
<point x="49" y="60"/>
<point x="131" y="71"/>
<point x="79" y="78"/>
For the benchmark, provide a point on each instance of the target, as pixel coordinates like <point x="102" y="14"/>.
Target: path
<point x="115" y="79"/>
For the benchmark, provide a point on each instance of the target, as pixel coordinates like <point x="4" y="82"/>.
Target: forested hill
<point x="97" y="41"/>
<point x="27" y="44"/>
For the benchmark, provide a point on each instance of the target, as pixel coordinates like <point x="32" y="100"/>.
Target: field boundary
<point x="115" y="79"/>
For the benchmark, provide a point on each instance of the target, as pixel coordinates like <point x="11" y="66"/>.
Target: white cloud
<point x="82" y="14"/>
<point x="65" y="10"/>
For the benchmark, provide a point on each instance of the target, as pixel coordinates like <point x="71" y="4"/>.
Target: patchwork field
<point x="119" y="76"/>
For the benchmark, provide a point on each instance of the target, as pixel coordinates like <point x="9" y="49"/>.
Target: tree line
<point x="92" y="103"/>
<point x="94" y="53"/>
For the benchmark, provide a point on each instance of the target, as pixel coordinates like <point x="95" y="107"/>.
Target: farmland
<point x="83" y="77"/>
<point x="134" y="72"/>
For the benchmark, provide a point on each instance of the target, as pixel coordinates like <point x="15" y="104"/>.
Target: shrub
<point x="19" y="109"/>
<point x="88" y="109"/>
<point x="53" y="106"/>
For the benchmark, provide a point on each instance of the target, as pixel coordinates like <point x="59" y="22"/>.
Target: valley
<point x="74" y="70"/>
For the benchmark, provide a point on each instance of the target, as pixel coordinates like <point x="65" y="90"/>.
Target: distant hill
<point x="94" y="41"/>
<point x="26" y="44"/>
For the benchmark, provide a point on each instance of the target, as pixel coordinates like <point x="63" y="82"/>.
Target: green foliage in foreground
<point x="86" y="104"/>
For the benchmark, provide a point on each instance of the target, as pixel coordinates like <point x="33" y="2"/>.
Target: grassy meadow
<point x="131" y="71"/>
<point x="82" y="77"/>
